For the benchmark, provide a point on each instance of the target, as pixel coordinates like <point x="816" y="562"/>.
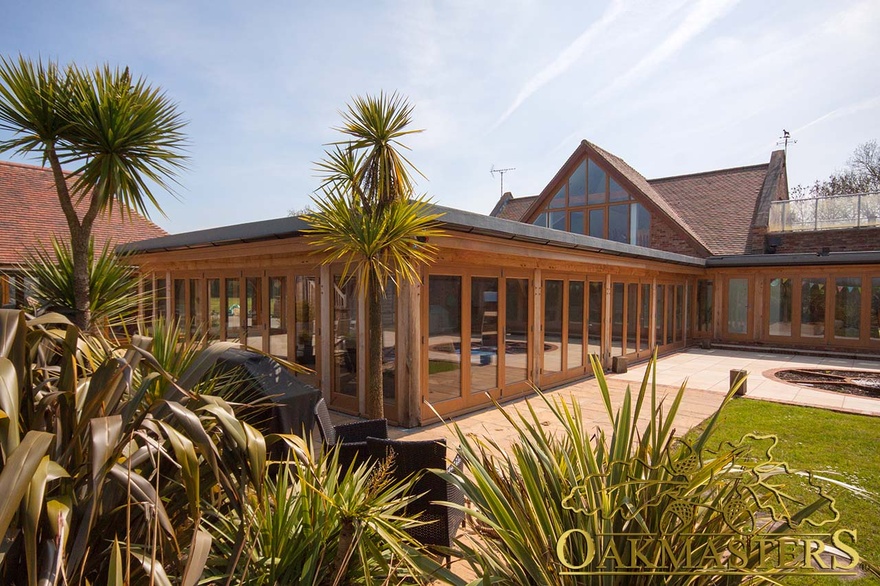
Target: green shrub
<point x="620" y="488"/>
<point x="122" y="466"/>
<point x="113" y="283"/>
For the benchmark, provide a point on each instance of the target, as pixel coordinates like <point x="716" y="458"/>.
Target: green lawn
<point x="436" y="366"/>
<point x="843" y="446"/>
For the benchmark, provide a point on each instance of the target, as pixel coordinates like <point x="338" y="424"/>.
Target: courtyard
<point x="706" y="372"/>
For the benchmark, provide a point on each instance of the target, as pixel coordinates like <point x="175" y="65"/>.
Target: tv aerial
<point x="501" y="172"/>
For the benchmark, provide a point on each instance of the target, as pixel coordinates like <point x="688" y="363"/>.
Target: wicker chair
<point x="414" y="457"/>
<point x="350" y="437"/>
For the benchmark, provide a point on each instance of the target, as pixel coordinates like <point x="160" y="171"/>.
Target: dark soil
<point x="852" y="382"/>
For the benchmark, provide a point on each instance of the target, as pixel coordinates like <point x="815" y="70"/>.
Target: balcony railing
<point x="825" y="213"/>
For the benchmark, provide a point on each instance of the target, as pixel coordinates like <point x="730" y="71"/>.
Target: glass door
<point x="305" y="332"/>
<point x="574" y="341"/>
<point x="255" y="313"/>
<point x="278" y="319"/>
<point x="444" y="344"/>
<point x="389" y="350"/>
<point x="344" y="391"/>
<point x="517" y="349"/>
<point x="565" y="329"/>
<point x="483" y="337"/>
<point x="232" y="312"/>
<point x="594" y="326"/>
<point x="737" y="314"/>
<point x="553" y="324"/>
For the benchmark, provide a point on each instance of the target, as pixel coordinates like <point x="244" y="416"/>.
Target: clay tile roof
<point x="513" y="208"/>
<point x="30" y="212"/>
<point x="717" y="205"/>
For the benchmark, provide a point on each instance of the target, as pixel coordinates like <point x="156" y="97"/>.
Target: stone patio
<point x="707" y="373"/>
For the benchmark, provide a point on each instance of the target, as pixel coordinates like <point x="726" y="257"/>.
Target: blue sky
<point x="671" y="87"/>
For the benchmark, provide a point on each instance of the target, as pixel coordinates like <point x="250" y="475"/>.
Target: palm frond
<point x="30" y="94"/>
<point x="382" y="244"/>
<point x="113" y="282"/>
<point x="123" y="135"/>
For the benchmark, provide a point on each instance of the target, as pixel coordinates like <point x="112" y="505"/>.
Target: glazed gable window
<point x="592" y="203"/>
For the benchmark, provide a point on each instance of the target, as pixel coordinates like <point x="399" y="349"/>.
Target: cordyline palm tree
<point x="118" y="136"/>
<point x="366" y="216"/>
<point x="113" y="281"/>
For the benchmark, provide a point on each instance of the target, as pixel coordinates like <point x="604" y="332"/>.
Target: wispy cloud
<point x="697" y="20"/>
<point x="868" y="104"/>
<point x="568" y="57"/>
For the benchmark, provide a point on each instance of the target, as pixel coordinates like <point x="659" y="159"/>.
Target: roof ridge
<point x="698" y="173"/>
<point x="25" y="165"/>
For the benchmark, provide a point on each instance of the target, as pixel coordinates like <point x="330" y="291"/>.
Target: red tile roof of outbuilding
<point x="30" y="213"/>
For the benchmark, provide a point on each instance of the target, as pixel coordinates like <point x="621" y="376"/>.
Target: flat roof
<point x="474" y="223"/>
<point x="452" y="219"/>
<point x="794" y="259"/>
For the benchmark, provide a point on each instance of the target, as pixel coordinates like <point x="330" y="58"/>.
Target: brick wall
<point x="853" y="239"/>
<point x="665" y="237"/>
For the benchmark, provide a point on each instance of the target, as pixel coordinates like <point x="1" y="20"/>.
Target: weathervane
<point x="785" y="139"/>
<point x="501" y="172"/>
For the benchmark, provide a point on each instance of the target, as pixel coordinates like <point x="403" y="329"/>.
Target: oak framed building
<point x="602" y="262"/>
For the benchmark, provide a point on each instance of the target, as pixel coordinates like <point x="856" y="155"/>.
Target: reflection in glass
<point x="847" y="307"/>
<point x="147" y="300"/>
<point x="575" y="345"/>
<point x="161" y="298"/>
<point x="632" y="316"/>
<point x="618" y="223"/>
<point x="596" y="184"/>
<point x="670" y="314"/>
<point x="644" y="316"/>
<point x="705" y="303"/>
<point x="576" y="222"/>
<point x="617" y="319"/>
<point x="541" y="220"/>
<point x="660" y="314"/>
<point x="558" y="200"/>
<point x="557" y="220"/>
<point x="779" y="323"/>
<point x="679" y="312"/>
<point x="389" y="343"/>
<point x="180" y="301"/>
<point x="597" y="223"/>
<point x="813" y="307"/>
<point x="278" y="316"/>
<point x="737" y="306"/>
<point x="594" y="332"/>
<point x="552" y="326"/>
<point x="577" y="186"/>
<point x="195" y="307"/>
<point x="444" y="337"/>
<point x="306" y="326"/>
<point x="484" y="334"/>
<point x="345" y="327"/>
<point x="233" y="309"/>
<point x="213" y="309"/>
<point x="516" y="331"/>
<point x="616" y="192"/>
<point x="875" y="308"/>
<point x="255" y="317"/>
<point x="640" y="225"/>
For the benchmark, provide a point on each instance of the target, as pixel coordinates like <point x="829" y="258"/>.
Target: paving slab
<point x="707" y="375"/>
